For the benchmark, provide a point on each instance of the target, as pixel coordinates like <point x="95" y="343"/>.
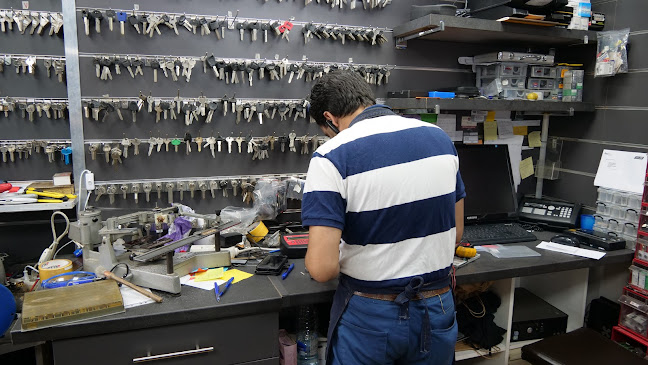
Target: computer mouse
<point x="566" y="240"/>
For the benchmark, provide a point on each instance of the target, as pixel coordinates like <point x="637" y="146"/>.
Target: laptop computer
<point x="490" y="207"/>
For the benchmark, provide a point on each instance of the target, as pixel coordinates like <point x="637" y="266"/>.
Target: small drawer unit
<point x="506" y="82"/>
<point x="634" y="312"/>
<point x="638" y="276"/>
<point x="543" y="72"/>
<point x="605" y="195"/>
<point x="641" y="251"/>
<point x="541" y="84"/>
<point x="502" y="69"/>
<point x="513" y="94"/>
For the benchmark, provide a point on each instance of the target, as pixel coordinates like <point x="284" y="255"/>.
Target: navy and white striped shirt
<point x="390" y="184"/>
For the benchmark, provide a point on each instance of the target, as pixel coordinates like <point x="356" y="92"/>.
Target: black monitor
<point x="490" y="190"/>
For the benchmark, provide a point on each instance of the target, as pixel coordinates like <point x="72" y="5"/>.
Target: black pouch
<point x="271" y="265"/>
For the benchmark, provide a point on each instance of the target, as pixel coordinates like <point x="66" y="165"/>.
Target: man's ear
<point x="333" y="119"/>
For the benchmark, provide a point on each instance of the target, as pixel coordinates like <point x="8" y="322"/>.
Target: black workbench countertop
<point x="253" y="295"/>
<point x="260" y="294"/>
<point x="488" y="267"/>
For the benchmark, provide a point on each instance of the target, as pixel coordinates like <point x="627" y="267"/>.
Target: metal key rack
<point x="191" y="185"/>
<point x="148" y="23"/>
<point x="267" y="110"/>
<point x="227" y="69"/>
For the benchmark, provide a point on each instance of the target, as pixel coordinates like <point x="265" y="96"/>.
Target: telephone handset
<point x="333" y="127"/>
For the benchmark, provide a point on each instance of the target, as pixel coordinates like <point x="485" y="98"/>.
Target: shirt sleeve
<point x="324" y="201"/>
<point x="460" y="190"/>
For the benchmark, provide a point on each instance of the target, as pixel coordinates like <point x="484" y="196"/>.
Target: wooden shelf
<point x="464" y="351"/>
<point x="483" y="31"/>
<point x="520" y="344"/>
<point x="484" y="104"/>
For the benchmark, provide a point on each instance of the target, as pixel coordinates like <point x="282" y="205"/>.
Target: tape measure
<point x="54" y="267"/>
<point x="464" y="250"/>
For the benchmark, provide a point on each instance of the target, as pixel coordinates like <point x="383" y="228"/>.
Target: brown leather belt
<point x="391" y="297"/>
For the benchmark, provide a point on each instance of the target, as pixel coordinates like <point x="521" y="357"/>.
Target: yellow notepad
<point x="211" y="274"/>
<point x="238" y="275"/>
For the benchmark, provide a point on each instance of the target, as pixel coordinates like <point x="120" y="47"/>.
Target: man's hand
<point x="323" y="254"/>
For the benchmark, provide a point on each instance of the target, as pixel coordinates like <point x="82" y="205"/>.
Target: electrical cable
<point x="60" y="248"/>
<point x="48" y="253"/>
<point x="33" y="286"/>
<point x="82" y="187"/>
<point x="127" y="269"/>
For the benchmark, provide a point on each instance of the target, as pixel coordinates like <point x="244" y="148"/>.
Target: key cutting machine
<point x="150" y="261"/>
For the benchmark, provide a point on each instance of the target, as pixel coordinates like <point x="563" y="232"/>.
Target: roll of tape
<point x="258" y="233"/>
<point x="54" y="267"/>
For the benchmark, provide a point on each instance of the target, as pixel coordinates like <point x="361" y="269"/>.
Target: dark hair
<point x="340" y="93"/>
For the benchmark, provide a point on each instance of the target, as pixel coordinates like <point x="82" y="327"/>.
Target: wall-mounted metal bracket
<point x="401" y="42"/>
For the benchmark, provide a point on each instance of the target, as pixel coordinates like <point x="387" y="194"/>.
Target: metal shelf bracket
<point x="401" y="42"/>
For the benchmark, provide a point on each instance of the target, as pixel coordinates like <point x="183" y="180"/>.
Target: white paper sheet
<point x="515" y="154"/>
<point x="505" y="128"/>
<point x="478" y="116"/>
<point x="467" y="122"/>
<point x="447" y="122"/>
<point x="571" y="250"/>
<point x="456" y="136"/>
<point x="470" y="137"/>
<point x="622" y="170"/>
<point x="134" y="299"/>
<point x="204" y="285"/>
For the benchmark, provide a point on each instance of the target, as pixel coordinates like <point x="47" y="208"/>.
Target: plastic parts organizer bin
<point x="502" y="69"/>
<point x="507" y="82"/>
<point x="634" y="312"/>
<point x="541" y="84"/>
<point x="544" y="72"/>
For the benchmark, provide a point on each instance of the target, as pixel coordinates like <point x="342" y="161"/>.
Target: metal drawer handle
<point x="173" y="354"/>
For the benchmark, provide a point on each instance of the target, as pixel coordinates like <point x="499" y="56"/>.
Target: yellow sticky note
<point x="238" y="275"/>
<point x="534" y="139"/>
<point x="490" y="130"/>
<point x="526" y="168"/>
<point x="490" y="116"/>
<point x="211" y="274"/>
<point x="521" y="130"/>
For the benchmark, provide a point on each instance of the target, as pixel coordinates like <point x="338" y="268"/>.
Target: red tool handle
<point x="4" y="187"/>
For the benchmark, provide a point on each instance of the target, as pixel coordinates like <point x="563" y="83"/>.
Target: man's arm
<point x="459" y="219"/>
<point x="323" y="254"/>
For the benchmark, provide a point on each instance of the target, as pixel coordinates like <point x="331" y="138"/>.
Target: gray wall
<point x="623" y="129"/>
<point x="441" y="56"/>
<point x="438" y="68"/>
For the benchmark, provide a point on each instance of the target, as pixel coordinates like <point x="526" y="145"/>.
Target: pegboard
<point x="38" y="85"/>
<point x="424" y="65"/>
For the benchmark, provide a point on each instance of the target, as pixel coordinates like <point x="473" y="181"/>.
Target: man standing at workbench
<point x="384" y="205"/>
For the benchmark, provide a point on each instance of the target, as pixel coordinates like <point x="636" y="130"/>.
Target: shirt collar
<point x="373" y="111"/>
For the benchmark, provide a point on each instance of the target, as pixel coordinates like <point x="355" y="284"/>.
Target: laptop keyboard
<point x="495" y="233"/>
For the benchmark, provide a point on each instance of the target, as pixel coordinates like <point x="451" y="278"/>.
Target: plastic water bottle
<point x="307" y="338"/>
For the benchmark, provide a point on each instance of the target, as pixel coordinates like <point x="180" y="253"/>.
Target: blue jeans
<point x="370" y="332"/>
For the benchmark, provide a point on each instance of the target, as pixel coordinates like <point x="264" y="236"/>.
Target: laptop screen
<point x="490" y="191"/>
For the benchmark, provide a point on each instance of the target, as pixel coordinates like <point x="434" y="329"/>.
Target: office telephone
<point x="551" y="213"/>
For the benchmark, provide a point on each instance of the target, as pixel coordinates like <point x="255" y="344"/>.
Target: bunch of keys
<point x="31" y="22"/>
<point x="373" y="36"/>
<point x="12" y="151"/>
<point x="366" y="4"/>
<point x="33" y="108"/>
